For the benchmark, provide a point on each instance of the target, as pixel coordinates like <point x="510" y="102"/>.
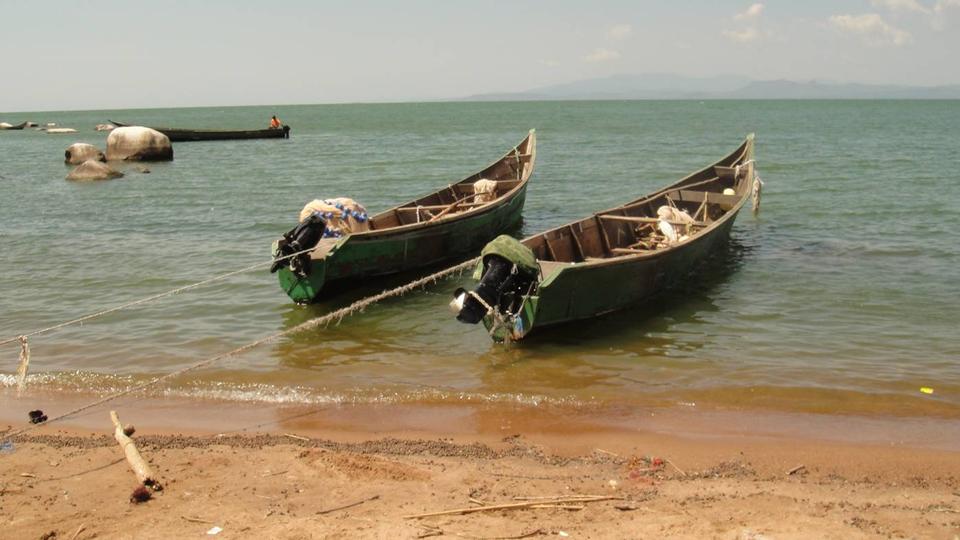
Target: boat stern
<point x="515" y="327"/>
<point x="301" y="280"/>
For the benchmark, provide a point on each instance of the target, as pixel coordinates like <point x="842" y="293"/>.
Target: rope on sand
<point x="324" y="320"/>
<point x="23" y="337"/>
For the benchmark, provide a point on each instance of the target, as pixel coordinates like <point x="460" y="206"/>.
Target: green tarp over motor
<point x="512" y="250"/>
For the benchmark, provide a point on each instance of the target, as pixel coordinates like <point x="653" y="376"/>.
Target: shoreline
<point x="305" y="479"/>
<point x="482" y="421"/>
<point x="361" y="470"/>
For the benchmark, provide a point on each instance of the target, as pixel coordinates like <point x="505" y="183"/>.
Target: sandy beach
<point x="487" y="270"/>
<point x="360" y="472"/>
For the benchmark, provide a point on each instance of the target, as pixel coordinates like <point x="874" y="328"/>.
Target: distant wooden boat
<point x="443" y="225"/>
<point x="610" y="260"/>
<point x="184" y="135"/>
<point x="7" y="126"/>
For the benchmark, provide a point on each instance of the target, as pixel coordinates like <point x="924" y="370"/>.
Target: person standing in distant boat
<point x="274" y="122"/>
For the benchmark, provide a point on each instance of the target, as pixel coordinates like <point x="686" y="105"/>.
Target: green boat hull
<point x="372" y="254"/>
<point x="448" y="224"/>
<point x="578" y="292"/>
<point x="599" y="274"/>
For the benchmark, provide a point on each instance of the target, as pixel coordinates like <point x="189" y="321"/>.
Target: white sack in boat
<point x="485" y="190"/>
<point x="668" y="231"/>
<point x="342" y="215"/>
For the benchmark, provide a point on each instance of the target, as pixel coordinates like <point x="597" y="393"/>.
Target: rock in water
<point x="93" y="170"/>
<point x="135" y="143"/>
<point x="77" y="153"/>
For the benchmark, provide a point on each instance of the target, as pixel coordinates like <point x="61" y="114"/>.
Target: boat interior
<point x="475" y="191"/>
<point x="690" y="205"/>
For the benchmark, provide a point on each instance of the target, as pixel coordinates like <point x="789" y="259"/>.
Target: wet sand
<point x="285" y="472"/>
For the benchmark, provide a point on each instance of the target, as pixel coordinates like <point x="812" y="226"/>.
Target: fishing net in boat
<point x="342" y="215"/>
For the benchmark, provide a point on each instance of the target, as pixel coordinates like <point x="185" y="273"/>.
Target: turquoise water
<point x="840" y="297"/>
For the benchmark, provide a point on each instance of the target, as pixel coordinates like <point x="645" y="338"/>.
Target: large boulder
<point x="93" y="170"/>
<point x="135" y="143"/>
<point x="77" y="153"/>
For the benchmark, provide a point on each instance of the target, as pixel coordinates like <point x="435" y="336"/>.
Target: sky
<point x="113" y="54"/>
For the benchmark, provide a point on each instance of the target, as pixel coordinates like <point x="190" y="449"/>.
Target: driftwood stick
<point x="552" y="498"/>
<point x="561" y="506"/>
<point x="796" y="469"/>
<point x="24" y="364"/>
<point x="351" y="505"/>
<point x="511" y="506"/>
<point x="196" y="520"/>
<point x="297" y="437"/>
<point x="430" y="530"/>
<point x="79" y="530"/>
<point x="140" y="467"/>
<point x="674" y="465"/>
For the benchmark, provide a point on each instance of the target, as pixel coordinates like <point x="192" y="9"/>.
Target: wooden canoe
<point x="441" y="226"/>
<point x="184" y="135"/>
<point x="619" y="257"/>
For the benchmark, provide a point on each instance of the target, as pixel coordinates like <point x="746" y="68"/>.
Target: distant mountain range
<point x="667" y="86"/>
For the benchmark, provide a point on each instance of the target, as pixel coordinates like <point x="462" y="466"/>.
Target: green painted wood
<point x="575" y="291"/>
<point x="408" y="247"/>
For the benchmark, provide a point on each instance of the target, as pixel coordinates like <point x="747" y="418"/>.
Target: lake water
<point x="840" y="297"/>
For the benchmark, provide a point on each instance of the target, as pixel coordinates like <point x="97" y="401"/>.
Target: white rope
<point x="755" y="193"/>
<point x="482" y="301"/>
<point x="736" y="170"/>
<point x="337" y="315"/>
<point x="148" y="299"/>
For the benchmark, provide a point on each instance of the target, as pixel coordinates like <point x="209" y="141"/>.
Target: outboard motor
<point x="304" y="236"/>
<point x="502" y="288"/>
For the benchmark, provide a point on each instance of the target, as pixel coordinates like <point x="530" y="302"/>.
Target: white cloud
<point x="752" y="12"/>
<point x="870" y="27"/>
<point x="602" y="55"/>
<point x="752" y="19"/>
<point x="915" y="6"/>
<point x="901" y="5"/>
<point x="619" y="31"/>
<point x="942" y="5"/>
<point x="935" y="12"/>
<point x="743" y="36"/>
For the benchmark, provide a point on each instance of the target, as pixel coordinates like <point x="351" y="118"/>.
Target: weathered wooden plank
<point x="650" y="220"/>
